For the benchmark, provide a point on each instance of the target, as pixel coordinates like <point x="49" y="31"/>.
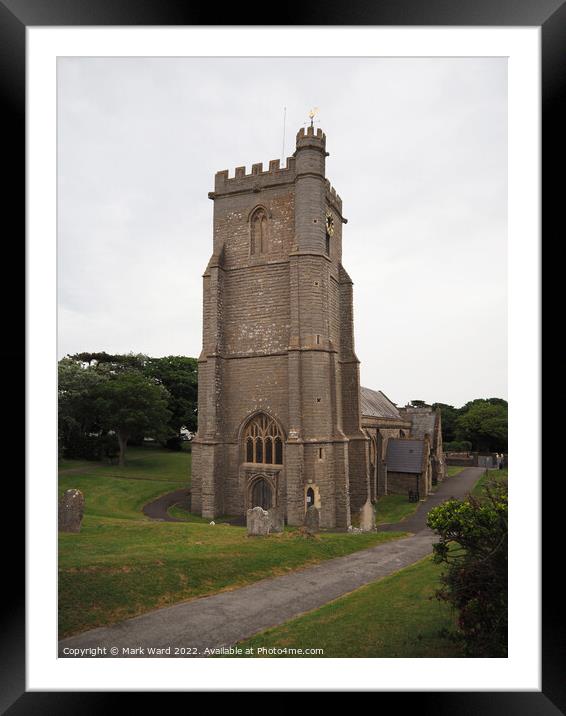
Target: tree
<point x="418" y="403"/>
<point x="449" y="415"/>
<point x="77" y="413"/>
<point x="129" y="403"/>
<point x="473" y="546"/>
<point x="179" y="374"/>
<point x="111" y="363"/>
<point x="484" y="423"/>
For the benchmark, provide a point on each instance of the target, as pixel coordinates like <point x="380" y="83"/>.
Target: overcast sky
<point x="418" y="153"/>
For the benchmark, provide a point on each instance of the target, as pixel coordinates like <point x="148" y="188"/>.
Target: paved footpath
<point x="158" y="509"/>
<point x="456" y="486"/>
<point x="226" y="618"/>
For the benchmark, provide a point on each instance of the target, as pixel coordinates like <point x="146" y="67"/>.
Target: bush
<point x="458" y="446"/>
<point x="473" y="546"/>
<point x="77" y="445"/>
<point x="175" y="443"/>
<point x="80" y="446"/>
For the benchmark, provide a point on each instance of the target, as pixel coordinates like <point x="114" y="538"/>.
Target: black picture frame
<point x="15" y="16"/>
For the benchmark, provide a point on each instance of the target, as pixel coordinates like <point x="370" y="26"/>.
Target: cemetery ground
<point x="123" y="564"/>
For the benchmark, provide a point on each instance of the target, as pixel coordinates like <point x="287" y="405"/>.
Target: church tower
<point x="279" y="420"/>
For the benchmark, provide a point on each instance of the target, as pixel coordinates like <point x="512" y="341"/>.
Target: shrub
<point x="89" y="447"/>
<point x="175" y="443"/>
<point x="80" y="446"/>
<point x="458" y="446"/>
<point x="473" y="546"/>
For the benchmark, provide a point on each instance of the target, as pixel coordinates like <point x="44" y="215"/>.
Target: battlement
<point x="257" y="178"/>
<point x="310" y="133"/>
<point x="332" y="196"/>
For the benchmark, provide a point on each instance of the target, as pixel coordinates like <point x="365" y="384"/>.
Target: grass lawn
<point x="122" y="564"/>
<point x="487" y="477"/>
<point x="393" y="508"/>
<point x="397" y="616"/>
<point x="452" y="470"/>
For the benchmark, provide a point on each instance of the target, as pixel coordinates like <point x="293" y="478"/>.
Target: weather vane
<point x="312" y="114"/>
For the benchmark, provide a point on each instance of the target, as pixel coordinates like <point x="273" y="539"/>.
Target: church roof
<point x="404" y="455"/>
<point x="376" y="404"/>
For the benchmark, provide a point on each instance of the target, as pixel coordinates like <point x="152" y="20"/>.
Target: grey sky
<point x="418" y="153"/>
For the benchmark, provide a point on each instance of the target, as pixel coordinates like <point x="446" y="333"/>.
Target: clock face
<point x="329" y="223"/>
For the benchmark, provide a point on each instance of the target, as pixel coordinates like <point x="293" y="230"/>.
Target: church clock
<point x="329" y="223"/>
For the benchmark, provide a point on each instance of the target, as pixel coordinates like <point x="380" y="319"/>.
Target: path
<point x="157" y="509"/>
<point x="456" y="486"/>
<point x="228" y="617"/>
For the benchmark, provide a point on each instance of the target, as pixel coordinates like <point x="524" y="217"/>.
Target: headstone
<point x="367" y="517"/>
<point x="258" y="522"/>
<point x="71" y="510"/>
<point x="312" y="519"/>
<point x="276" y="522"/>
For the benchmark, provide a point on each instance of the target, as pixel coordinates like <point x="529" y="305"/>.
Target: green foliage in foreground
<point x="473" y="547"/>
<point x="122" y="564"/>
<point x="397" y="616"/>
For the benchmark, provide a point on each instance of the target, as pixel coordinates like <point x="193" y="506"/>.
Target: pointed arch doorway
<point x="262" y="494"/>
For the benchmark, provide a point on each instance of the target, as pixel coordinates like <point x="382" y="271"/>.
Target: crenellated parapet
<point x="256" y="180"/>
<point x="333" y="199"/>
<point x="311" y="137"/>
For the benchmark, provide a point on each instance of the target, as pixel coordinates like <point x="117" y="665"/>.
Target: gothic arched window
<point x="263" y="441"/>
<point x="259" y="237"/>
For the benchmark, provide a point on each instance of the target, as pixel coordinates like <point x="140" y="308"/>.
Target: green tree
<point x="449" y="415"/>
<point x="111" y="362"/>
<point x="473" y="546"/>
<point x="76" y="393"/>
<point x="129" y="403"/>
<point x="484" y="423"/>
<point x="179" y="374"/>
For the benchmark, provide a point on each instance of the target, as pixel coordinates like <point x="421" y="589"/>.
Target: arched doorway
<point x="261" y="494"/>
<point x="310" y="497"/>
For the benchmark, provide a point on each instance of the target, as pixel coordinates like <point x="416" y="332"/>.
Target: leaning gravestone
<point x="258" y="522"/>
<point x="367" y="517"/>
<point x="71" y="510"/>
<point x="312" y="519"/>
<point x="276" y="522"/>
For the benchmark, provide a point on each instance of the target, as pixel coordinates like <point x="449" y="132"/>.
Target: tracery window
<point x="259" y="238"/>
<point x="263" y="441"/>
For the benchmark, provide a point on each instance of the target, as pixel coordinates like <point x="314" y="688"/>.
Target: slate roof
<point x="404" y="455"/>
<point x="376" y="404"/>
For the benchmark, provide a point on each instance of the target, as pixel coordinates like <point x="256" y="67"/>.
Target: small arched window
<point x="259" y="232"/>
<point x="263" y="441"/>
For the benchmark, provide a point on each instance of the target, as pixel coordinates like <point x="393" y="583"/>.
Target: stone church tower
<point x="279" y="420"/>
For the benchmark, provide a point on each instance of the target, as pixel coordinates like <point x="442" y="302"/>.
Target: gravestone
<point x="276" y="521"/>
<point x="258" y="522"/>
<point x="71" y="510"/>
<point x="312" y="519"/>
<point x="367" y="517"/>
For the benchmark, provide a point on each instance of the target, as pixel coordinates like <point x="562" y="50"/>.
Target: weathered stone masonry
<point x="279" y="394"/>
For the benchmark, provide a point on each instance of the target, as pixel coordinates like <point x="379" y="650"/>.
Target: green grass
<point x="393" y="508"/>
<point x="397" y="616"/>
<point x="452" y="470"/>
<point x="181" y="514"/>
<point x="488" y="476"/>
<point x="123" y="564"/>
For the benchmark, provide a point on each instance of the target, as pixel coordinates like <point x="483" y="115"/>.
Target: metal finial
<point x="312" y="114"/>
